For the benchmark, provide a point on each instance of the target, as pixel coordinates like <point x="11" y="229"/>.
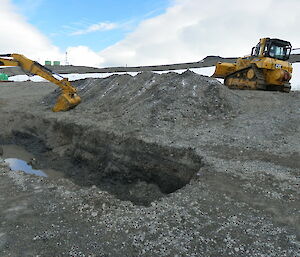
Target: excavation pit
<point x="127" y="135"/>
<point x="127" y="167"/>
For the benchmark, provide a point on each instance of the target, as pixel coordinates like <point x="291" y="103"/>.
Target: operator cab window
<point x="278" y="51"/>
<point x="272" y="51"/>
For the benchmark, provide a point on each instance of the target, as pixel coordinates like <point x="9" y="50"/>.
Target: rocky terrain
<point x="152" y="165"/>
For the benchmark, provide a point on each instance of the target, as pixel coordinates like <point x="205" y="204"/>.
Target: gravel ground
<point x="154" y="165"/>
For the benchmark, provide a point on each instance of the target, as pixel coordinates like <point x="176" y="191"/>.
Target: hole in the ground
<point x="128" y="168"/>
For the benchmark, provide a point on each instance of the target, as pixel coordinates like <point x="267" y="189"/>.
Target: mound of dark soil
<point x="151" y="99"/>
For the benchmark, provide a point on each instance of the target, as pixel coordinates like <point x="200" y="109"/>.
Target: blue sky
<point x="106" y="33"/>
<point x="65" y="22"/>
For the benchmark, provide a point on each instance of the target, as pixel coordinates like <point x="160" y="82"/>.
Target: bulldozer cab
<point x="273" y="48"/>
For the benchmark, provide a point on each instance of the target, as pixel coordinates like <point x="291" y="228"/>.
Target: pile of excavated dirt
<point x="154" y="165"/>
<point x="150" y="100"/>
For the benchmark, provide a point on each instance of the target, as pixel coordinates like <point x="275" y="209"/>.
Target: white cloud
<point x="18" y="36"/>
<point x="102" y="26"/>
<point x="82" y="55"/>
<point x="191" y="30"/>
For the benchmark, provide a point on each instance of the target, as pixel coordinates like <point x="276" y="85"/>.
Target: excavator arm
<point x="68" y="98"/>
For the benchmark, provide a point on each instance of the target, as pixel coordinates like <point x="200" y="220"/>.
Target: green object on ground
<point x="3" y="77"/>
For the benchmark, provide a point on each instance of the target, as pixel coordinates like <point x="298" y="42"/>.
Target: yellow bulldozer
<point x="267" y="68"/>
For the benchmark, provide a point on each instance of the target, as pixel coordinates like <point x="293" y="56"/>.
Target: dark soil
<point x="153" y="165"/>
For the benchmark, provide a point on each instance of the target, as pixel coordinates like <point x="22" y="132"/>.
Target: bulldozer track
<point x="261" y="84"/>
<point x="286" y="88"/>
<point x="239" y="80"/>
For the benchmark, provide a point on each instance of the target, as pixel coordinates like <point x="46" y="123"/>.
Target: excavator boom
<point x="68" y="98"/>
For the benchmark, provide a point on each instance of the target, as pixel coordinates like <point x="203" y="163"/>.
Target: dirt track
<point x="155" y="165"/>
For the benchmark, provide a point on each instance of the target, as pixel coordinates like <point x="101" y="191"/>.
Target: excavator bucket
<point x="66" y="101"/>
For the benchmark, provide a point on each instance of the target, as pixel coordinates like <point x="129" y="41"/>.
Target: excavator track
<point x="248" y="78"/>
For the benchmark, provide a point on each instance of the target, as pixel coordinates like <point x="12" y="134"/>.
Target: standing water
<point x="18" y="159"/>
<point x="17" y="164"/>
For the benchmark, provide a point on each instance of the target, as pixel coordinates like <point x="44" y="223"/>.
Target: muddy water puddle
<point x="17" y="164"/>
<point x="18" y="159"/>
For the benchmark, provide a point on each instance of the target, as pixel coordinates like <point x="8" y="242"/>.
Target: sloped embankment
<point x="154" y="100"/>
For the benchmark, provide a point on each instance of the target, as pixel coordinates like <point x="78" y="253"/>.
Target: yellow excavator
<point x="266" y="68"/>
<point x="68" y="98"/>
